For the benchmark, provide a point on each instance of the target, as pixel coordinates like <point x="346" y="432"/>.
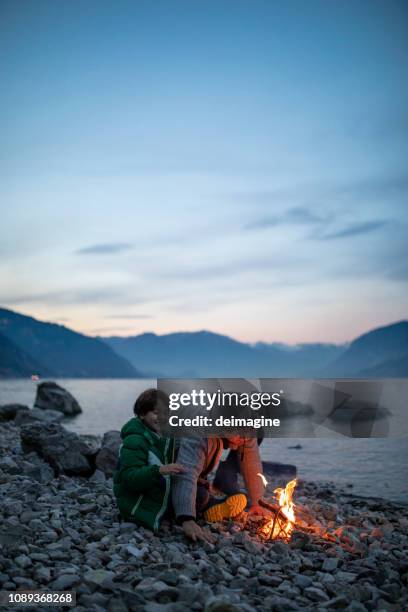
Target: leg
<point x="226" y="477"/>
<point x="202" y="498"/>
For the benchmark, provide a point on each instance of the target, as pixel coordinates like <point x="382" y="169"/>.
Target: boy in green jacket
<point x="141" y="482"/>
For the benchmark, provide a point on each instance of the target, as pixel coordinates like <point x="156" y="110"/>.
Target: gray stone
<point x="52" y="396"/>
<point x="94" y="600"/>
<point x="299" y="540"/>
<point x="346" y="577"/>
<point x="170" y="577"/>
<point x="8" y="412"/>
<point x="42" y="557"/>
<point x="330" y="564"/>
<point x="98" y="476"/>
<point x="36" y="414"/>
<point x="62" y="449"/>
<point x="23" y="582"/>
<point x="168" y="607"/>
<point x="280" y="548"/>
<point x="65" y="582"/>
<point x="220" y="604"/>
<point x="86" y="508"/>
<point x="91" y="444"/>
<point x="107" y="458"/>
<point x="7" y="464"/>
<point x="253" y="547"/>
<point x="96" y="577"/>
<point x="117" y="605"/>
<point x="302" y="581"/>
<point x="356" y="606"/>
<point x="315" y="594"/>
<point x="270" y="580"/>
<point x="138" y="553"/>
<point x="42" y="574"/>
<point x="151" y="588"/>
<point x="23" y="561"/>
<point x="41" y="473"/>
<point x="335" y="603"/>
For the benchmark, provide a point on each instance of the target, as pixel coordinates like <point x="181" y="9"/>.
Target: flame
<point x="285" y="499"/>
<point x="275" y="527"/>
<point x="262" y="477"/>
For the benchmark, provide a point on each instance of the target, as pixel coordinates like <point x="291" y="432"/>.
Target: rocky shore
<point x="60" y="530"/>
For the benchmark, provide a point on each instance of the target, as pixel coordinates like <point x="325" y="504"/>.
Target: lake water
<point x="375" y="466"/>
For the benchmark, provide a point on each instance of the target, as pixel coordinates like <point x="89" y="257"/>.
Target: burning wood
<point x="284" y="522"/>
<point x="283" y="519"/>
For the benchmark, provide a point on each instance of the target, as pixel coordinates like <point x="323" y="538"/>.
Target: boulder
<point x="8" y="412"/>
<point x="107" y="458"/>
<point x="64" y="450"/>
<point x="92" y="444"/>
<point x="52" y="396"/>
<point x="38" y="415"/>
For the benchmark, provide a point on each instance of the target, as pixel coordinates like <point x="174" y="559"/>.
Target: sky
<point x="235" y="166"/>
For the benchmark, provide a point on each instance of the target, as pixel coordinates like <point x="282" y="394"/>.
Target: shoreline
<point x="341" y="461"/>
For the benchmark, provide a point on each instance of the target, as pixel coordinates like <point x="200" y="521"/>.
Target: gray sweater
<point x="202" y="455"/>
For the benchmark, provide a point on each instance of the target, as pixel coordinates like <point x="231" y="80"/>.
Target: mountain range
<point x="205" y="354"/>
<point x="382" y="352"/>
<point x="29" y="346"/>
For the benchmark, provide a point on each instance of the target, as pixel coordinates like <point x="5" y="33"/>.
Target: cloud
<point x="105" y="249"/>
<point x="129" y="316"/>
<point x="74" y="296"/>
<point x="236" y="267"/>
<point x="387" y="187"/>
<point x="98" y="330"/>
<point x="298" y="215"/>
<point x="356" y="229"/>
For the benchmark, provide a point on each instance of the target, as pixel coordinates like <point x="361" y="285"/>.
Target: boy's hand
<point x="171" y="468"/>
<point x="195" y="532"/>
<point x="258" y="510"/>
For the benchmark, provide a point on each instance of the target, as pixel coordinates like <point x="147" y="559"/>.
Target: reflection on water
<point x="375" y="466"/>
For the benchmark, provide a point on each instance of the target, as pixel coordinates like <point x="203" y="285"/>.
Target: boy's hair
<point x="148" y="401"/>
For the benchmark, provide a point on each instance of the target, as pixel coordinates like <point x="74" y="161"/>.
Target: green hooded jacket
<point x="141" y="492"/>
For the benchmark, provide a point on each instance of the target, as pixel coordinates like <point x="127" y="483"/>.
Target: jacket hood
<point x="136" y="426"/>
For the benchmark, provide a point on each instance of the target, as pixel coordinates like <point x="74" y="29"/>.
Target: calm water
<point x="375" y="467"/>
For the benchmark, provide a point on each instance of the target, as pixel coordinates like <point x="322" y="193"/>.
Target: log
<point x="275" y="509"/>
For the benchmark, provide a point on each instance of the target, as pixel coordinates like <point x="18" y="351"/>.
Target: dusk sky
<point x="236" y="166"/>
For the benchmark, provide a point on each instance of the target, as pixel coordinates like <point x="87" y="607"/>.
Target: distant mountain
<point x="29" y="346"/>
<point x="187" y="355"/>
<point x="380" y="352"/>
<point x="206" y="354"/>
<point x="55" y="350"/>
<point x="305" y="359"/>
<point x="395" y="368"/>
<point x="15" y="363"/>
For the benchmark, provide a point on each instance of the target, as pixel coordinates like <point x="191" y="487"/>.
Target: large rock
<point x="107" y="458"/>
<point x="64" y="450"/>
<point x="92" y="444"/>
<point x="36" y="415"/>
<point x="52" y="396"/>
<point x="8" y="412"/>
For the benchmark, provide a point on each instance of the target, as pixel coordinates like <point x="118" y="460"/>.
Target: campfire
<point x="283" y="518"/>
<point x="287" y="520"/>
